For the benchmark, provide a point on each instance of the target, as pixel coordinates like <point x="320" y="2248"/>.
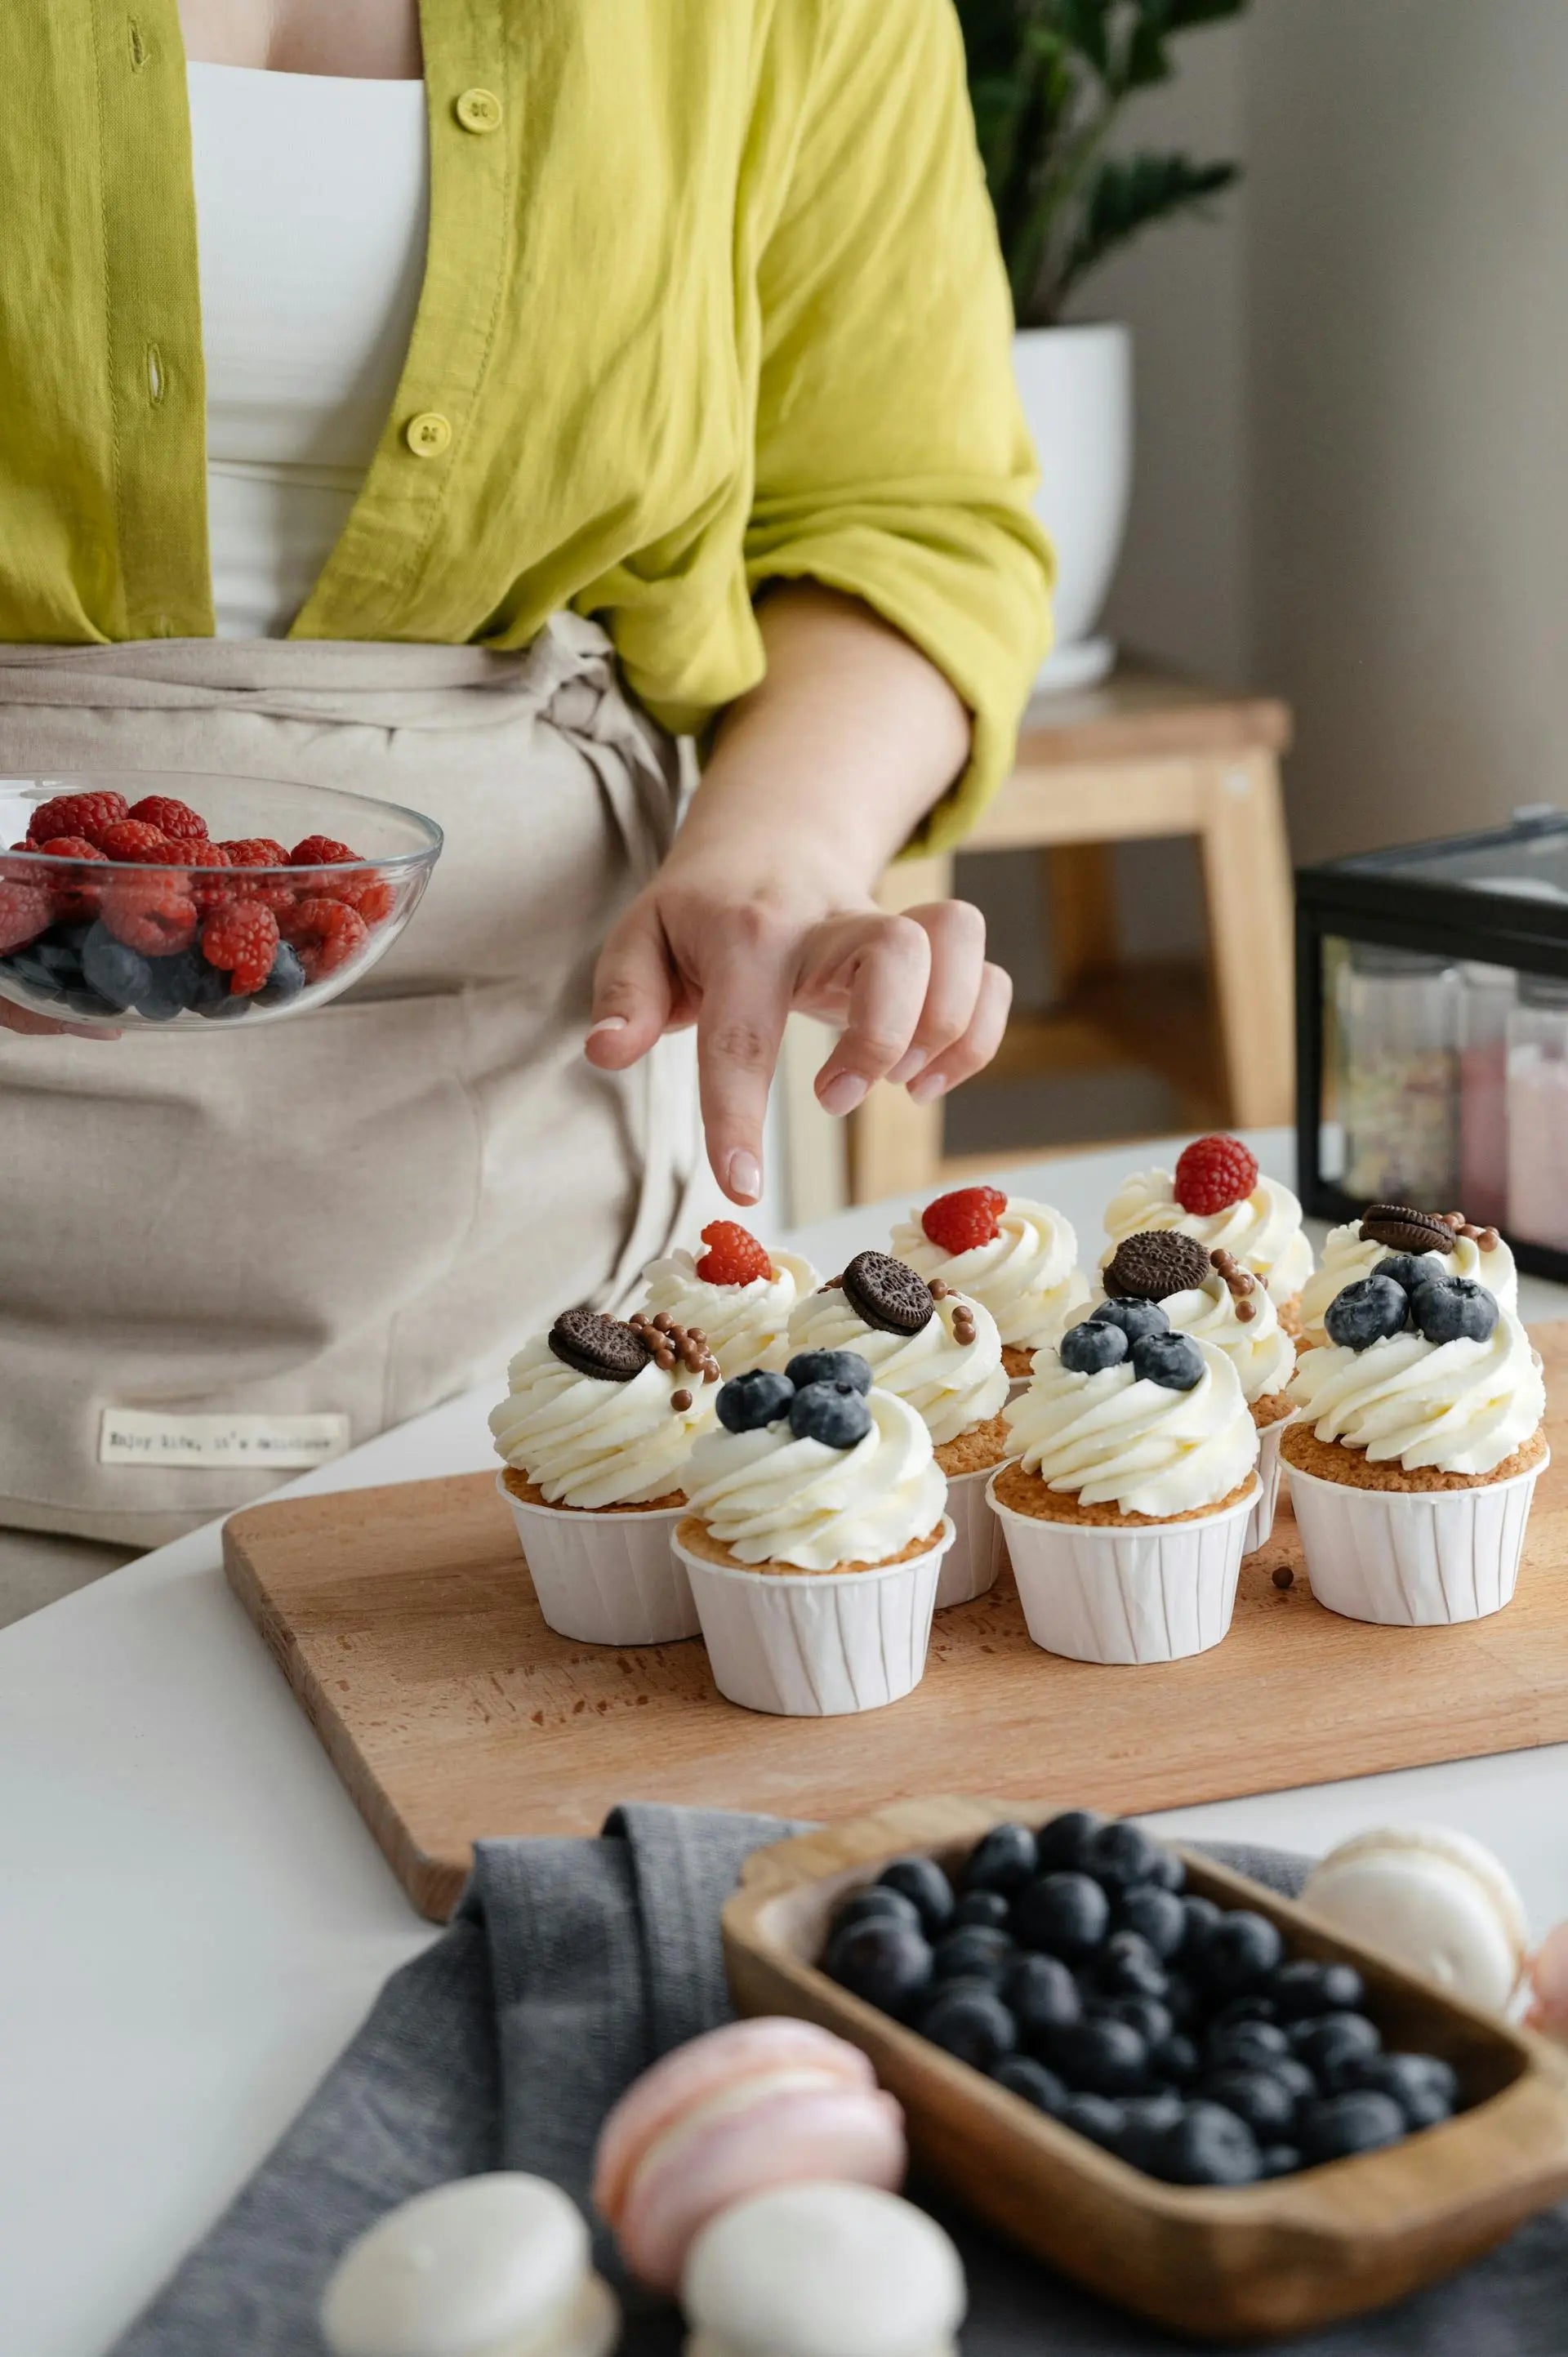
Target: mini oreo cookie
<point x="889" y="1294"/>
<point x="1406" y="1231"/>
<point x="602" y="1347"/>
<point x="1154" y="1263"/>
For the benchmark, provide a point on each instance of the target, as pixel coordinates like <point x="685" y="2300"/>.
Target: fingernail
<point x="743" y="1177"/>
<point x="915" y="1061"/>
<point x="928" y="1085"/>
<point x="841" y="1093"/>
<point x="607" y="1023"/>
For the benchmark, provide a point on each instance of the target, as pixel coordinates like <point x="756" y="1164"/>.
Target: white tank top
<point x="312" y="206"/>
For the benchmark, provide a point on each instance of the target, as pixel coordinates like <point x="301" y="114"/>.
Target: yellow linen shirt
<point x="712" y="298"/>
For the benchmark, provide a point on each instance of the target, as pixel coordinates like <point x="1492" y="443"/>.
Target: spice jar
<point x="1398" y="1024"/>
<point x="1486" y="1000"/>
<point x="1538" y="1112"/>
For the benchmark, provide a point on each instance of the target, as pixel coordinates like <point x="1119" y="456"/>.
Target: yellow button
<point x="479" y="109"/>
<point x="428" y="434"/>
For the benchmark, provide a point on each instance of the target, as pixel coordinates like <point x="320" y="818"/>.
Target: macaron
<point x="1435" y="1901"/>
<point x="756" y="2103"/>
<point x="823" y="2270"/>
<point x="486" y="2265"/>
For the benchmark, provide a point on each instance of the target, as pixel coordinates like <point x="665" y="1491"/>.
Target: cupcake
<point x="1215" y="1195"/>
<point x="942" y="1354"/>
<point x="814" y="1541"/>
<point x="736" y="1296"/>
<point x="1417" y="1447"/>
<point x="1133" y="1482"/>
<point x="1018" y="1260"/>
<point x="1209" y="1298"/>
<point x="1458" y="1248"/>
<point x="595" y="1430"/>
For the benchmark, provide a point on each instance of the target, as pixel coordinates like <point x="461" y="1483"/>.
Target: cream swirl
<point x="1028" y="1277"/>
<point x="1460" y="1408"/>
<point x="770" y="1498"/>
<point x="1348" y="1256"/>
<point x="1259" y="1349"/>
<point x="591" y="1443"/>
<point x="1263" y="1231"/>
<point x="745" y="1324"/>
<point x="951" y="1385"/>
<point x="1113" y="1439"/>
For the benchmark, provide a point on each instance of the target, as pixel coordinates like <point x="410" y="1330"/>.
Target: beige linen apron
<point x="358" y="1213"/>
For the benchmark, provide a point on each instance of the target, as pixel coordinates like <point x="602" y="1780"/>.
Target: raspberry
<point x="132" y="840"/>
<point x="176" y="820"/>
<point x="242" y="939"/>
<point x="733" y="1255"/>
<point x="73" y="896"/>
<point x="375" y="900"/>
<point x="967" y="1217"/>
<point x="320" y="851"/>
<point x="1213" y="1173"/>
<point x="190" y="852"/>
<point x="67" y="846"/>
<point x="89" y="816"/>
<point x="24" y="914"/>
<point x="326" y="933"/>
<point x="155" y="914"/>
<point x="255" y="851"/>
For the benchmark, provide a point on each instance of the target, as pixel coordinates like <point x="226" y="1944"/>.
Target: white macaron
<point x="1435" y="1901"/>
<point x="823" y="2270"/>
<point x="488" y="2267"/>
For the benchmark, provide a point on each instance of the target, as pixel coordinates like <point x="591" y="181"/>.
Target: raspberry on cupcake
<point x="735" y="1292"/>
<point x="1453" y="1244"/>
<point x="1215" y="1195"/>
<point x="1015" y="1259"/>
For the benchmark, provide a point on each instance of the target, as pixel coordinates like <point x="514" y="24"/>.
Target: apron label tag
<point x="283" y="1443"/>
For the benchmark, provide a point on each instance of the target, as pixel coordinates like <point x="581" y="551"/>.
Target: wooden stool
<point x="1147" y="753"/>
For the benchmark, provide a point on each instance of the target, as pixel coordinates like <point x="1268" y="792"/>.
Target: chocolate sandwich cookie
<point x="1154" y="1263"/>
<point x="601" y="1347"/>
<point x="1406" y="1231"/>
<point x="887" y="1294"/>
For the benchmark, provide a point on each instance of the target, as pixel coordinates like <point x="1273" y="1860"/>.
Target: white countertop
<point x="193" y="1919"/>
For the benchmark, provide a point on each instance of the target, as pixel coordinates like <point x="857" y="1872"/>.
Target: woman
<point x="381" y="395"/>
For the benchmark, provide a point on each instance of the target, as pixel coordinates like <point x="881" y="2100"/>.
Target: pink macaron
<point x="770" y="2102"/>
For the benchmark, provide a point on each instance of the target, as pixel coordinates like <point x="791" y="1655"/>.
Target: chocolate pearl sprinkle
<point x="1245" y="1313"/>
<point x="710" y="1374"/>
<point x="662" y="1323"/>
<point x="938" y="1290"/>
<point x="680" y="1402"/>
<point x="664" y="1361"/>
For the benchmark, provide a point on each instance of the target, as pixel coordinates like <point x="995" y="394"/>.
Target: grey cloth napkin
<point x="571" y="1966"/>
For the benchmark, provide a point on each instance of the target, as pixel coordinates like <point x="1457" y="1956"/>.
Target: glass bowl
<point x="170" y="898"/>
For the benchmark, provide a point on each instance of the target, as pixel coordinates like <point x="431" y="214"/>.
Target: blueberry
<point x="835" y="1414"/>
<point x="921" y="1880"/>
<point x="1096" y="2117"/>
<point x="987" y="1907"/>
<point x="175" y="982"/>
<point x="1267" y="2103"/>
<point x="1090" y="1350"/>
<point x="1022" y="2076"/>
<point x="213" y="997"/>
<point x="879" y="1959"/>
<point x="1173" y="2058"/>
<point x="1156" y="1915"/>
<point x="861" y="1905"/>
<point x="1104" y="2056"/>
<point x="1304" y="1987"/>
<point x="1243" y="2044"/>
<point x="1172" y="1360"/>
<point x="1144" y="2117"/>
<point x="1280" y="2161"/>
<point x="1369" y="1311"/>
<point x="1237" y="1952"/>
<point x="1128" y="1967"/>
<point x="1343" y="2124"/>
<point x="972" y="1953"/>
<point x="1256" y="2006"/>
<point x="1004" y="1860"/>
<point x="1201" y="1915"/>
<point x="829" y="1367"/>
<point x="1147" y="2015"/>
<point x="1061" y="1845"/>
<point x="1426" y="2089"/>
<point x="1121" y="1855"/>
<point x="1454" y="1309"/>
<point x="1332" y="2044"/>
<point x="1168" y="1872"/>
<point x="1181" y="1999"/>
<point x="746" y="1403"/>
<point x="1409" y="1271"/>
<point x="1134" y="1318"/>
<point x="1042" y="1996"/>
<point x="117" y="973"/>
<point x="1065" y="1914"/>
<point x="1207" y="2146"/>
<point x="971" y="2023"/>
<point x="1293" y="2073"/>
<point x="286" y="981"/>
<point x="89" y="1005"/>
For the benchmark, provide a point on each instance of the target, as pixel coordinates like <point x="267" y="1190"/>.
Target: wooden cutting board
<point x="404" y="1622"/>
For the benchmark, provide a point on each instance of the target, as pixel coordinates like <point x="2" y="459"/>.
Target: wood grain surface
<point x="404" y="1622"/>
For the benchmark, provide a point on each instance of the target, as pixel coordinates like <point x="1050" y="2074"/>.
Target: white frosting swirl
<point x="591" y="1443"/>
<point x="952" y="1384"/>
<point x="1263" y="1231"/>
<point x="1461" y="1407"/>
<point x="1115" y="1439"/>
<point x="1028" y="1276"/>
<point x="770" y="1498"/>
<point x="1260" y="1349"/>
<point x="1346" y="1258"/>
<point x="745" y="1324"/>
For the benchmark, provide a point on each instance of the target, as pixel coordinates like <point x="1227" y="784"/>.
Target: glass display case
<point x="1432" y="1032"/>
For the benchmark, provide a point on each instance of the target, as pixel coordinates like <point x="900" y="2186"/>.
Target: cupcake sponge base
<point x="1026" y="1493"/>
<point x="697" y="1539"/>
<point x="1335" y="1461"/>
<point x="532" y="1495"/>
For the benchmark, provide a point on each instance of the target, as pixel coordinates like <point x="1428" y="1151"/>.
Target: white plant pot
<point x="1076" y="384"/>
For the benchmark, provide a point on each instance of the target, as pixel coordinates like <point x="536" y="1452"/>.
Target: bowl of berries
<point x="169" y="899"/>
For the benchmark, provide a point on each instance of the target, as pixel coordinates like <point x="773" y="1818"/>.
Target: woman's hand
<point x="764" y="902"/>
<point x="29" y="1026"/>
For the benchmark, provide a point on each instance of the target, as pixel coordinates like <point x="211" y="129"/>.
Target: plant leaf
<point x="1086" y="23"/>
<point x="1129" y="192"/>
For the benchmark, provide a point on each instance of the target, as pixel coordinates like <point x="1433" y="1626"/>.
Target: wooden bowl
<point x="1242" y="2263"/>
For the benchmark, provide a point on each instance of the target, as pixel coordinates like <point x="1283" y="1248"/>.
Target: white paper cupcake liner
<point x="605" y="1579"/>
<point x="817" y="1644"/>
<point x="1150" y="1592"/>
<point x="1413" y="1558"/>
<point x="972" y="1564"/>
<point x="1260" y="1528"/>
